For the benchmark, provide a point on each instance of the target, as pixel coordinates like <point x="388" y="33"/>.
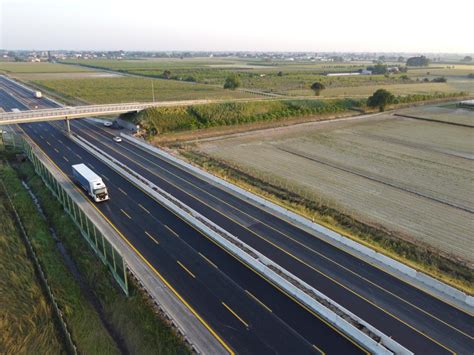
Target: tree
<point x="440" y="79"/>
<point x="280" y="73"/>
<point x="421" y="61"/>
<point x="378" y="68"/>
<point x="380" y="99"/>
<point x="166" y="74"/>
<point x="317" y="87"/>
<point x="467" y="58"/>
<point x="232" y="82"/>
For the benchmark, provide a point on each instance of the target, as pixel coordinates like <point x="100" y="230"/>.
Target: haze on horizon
<point x="209" y="25"/>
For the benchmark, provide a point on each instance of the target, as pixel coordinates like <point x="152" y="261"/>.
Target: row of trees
<point x="420" y="61"/>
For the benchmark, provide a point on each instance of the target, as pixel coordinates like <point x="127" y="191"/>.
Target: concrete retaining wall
<point x="303" y="292"/>
<point x="419" y="279"/>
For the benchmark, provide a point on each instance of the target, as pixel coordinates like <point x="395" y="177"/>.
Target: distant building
<point x="343" y="74"/>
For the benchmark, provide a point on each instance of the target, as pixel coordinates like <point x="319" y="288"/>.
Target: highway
<point x="412" y="317"/>
<point x="247" y="313"/>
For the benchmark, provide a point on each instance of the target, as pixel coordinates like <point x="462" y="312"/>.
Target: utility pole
<point x="68" y="127"/>
<point x="153" y="90"/>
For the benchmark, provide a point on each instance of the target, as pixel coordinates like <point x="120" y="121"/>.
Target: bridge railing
<point x="96" y="109"/>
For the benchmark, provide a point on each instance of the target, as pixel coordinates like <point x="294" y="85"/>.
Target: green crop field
<point x="127" y="89"/>
<point x="288" y="77"/>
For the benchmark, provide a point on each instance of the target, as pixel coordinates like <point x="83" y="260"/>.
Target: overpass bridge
<point x="67" y="113"/>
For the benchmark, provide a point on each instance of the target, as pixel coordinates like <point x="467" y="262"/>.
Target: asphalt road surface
<point x="249" y="313"/>
<point x="417" y="320"/>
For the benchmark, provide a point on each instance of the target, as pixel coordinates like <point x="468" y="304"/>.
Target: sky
<point x="413" y="26"/>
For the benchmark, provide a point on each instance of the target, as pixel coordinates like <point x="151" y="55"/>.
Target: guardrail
<point x="410" y="275"/>
<point x="111" y="246"/>
<point x="347" y="322"/>
<point x="93" y="235"/>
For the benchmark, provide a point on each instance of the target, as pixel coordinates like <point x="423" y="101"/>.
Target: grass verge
<point x="86" y="328"/>
<point x="375" y="237"/>
<point x="133" y="318"/>
<point x="26" y="323"/>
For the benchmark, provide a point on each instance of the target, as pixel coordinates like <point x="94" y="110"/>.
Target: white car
<point x="117" y="139"/>
<point x="107" y="123"/>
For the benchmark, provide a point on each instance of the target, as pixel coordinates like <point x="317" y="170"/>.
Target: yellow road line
<point x="186" y="269"/>
<point x="161" y="277"/>
<point x="122" y="191"/>
<point x="258" y="301"/>
<point x="209" y="261"/>
<point x="172" y="231"/>
<point x="318" y="349"/>
<point x="126" y="214"/>
<point x="143" y="208"/>
<point x="235" y="315"/>
<point x="299" y="243"/>
<point x="277" y="287"/>
<point x="152" y="237"/>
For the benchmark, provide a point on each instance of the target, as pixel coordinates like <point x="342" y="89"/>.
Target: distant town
<point x="58" y="55"/>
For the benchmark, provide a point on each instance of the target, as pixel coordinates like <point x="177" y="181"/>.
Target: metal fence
<point x="97" y="240"/>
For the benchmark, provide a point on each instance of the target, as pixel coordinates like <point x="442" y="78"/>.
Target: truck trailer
<point x="91" y="182"/>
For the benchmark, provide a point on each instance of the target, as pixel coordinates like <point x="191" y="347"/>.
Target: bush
<point x="317" y="87"/>
<point x="232" y="82"/>
<point x="380" y="99"/>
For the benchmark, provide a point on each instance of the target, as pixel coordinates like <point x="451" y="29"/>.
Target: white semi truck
<point x="91" y="182"/>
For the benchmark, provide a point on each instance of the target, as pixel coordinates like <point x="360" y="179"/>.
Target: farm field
<point x="446" y="113"/>
<point x="50" y="71"/>
<point x="411" y="177"/>
<point x="27" y="67"/>
<point x="127" y="89"/>
<point x="292" y="78"/>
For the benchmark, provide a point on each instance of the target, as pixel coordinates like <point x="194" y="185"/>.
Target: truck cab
<point x="90" y="182"/>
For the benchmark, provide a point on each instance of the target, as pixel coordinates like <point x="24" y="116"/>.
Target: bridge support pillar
<point x="68" y="126"/>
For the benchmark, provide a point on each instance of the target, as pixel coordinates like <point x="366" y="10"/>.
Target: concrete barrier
<point x="392" y="266"/>
<point x="347" y="322"/>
